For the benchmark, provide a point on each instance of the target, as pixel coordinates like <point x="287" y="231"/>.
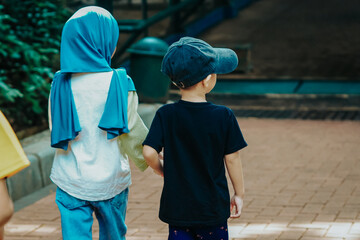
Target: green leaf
<point x="32" y="57"/>
<point x="15" y="55"/>
<point x="49" y="50"/>
<point x="3" y="52"/>
<point x="8" y="93"/>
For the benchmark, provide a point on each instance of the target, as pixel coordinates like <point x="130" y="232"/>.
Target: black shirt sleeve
<point x="234" y="140"/>
<point x="155" y="137"/>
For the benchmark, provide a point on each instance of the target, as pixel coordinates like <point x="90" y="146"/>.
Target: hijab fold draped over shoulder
<point x="88" y="41"/>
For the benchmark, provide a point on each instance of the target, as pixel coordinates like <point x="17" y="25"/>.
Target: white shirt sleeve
<point x="131" y="143"/>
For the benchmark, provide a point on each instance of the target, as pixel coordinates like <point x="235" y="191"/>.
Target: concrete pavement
<point x="302" y="182"/>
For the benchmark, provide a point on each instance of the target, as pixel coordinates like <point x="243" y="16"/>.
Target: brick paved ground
<point x="302" y="182"/>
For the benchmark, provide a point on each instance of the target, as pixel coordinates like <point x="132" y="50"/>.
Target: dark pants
<point x="217" y="232"/>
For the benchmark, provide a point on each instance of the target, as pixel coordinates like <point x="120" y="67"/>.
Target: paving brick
<point x="271" y="211"/>
<point x="339" y="230"/>
<point x="292" y="234"/>
<point x="319" y="238"/>
<point x="353" y="200"/>
<point x="259" y="203"/>
<point x="302" y="199"/>
<point x="281" y="201"/>
<point x="267" y="237"/>
<point x="131" y="216"/>
<point x="235" y="230"/>
<point x="326" y="217"/>
<point x="310" y="225"/>
<point x="321" y="197"/>
<point x="276" y="227"/>
<point x="255" y="227"/>
<point x="137" y="238"/>
<point x="258" y="220"/>
<point x="283" y="219"/>
<point x="305" y="217"/>
<point x="331" y="210"/>
<point x="350" y="237"/>
<point x="248" y="215"/>
<point x="244" y="238"/>
<point x="314" y="233"/>
<point x="355" y="228"/>
<point x="290" y="211"/>
<point x="351" y="215"/>
<point x="312" y="208"/>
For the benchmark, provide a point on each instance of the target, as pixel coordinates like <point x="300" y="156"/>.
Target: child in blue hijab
<point x="94" y="127"/>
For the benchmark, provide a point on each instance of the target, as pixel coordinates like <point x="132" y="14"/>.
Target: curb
<point x="35" y="178"/>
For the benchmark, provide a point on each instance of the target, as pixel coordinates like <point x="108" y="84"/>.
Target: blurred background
<point x="298" y="59"/>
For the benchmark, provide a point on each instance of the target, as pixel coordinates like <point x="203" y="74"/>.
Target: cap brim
<point x="226" y="60"/>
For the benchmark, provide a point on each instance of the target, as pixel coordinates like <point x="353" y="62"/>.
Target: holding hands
<point x="154" y="159"/>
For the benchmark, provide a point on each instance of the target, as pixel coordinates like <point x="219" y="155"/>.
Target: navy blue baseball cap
<point x="190" y="60"/>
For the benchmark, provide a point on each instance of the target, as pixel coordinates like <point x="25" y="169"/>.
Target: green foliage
<point x="30" y="33"/>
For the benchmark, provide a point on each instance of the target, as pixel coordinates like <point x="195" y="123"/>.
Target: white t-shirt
<point x="93" y="168"/>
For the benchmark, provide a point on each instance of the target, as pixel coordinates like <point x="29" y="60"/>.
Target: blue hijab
<point x="88" y="41"/>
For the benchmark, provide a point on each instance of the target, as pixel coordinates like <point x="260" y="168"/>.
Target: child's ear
<point x="206" y="81"/>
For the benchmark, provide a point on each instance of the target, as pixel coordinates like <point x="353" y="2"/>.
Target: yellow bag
<point x="12" y="156"/>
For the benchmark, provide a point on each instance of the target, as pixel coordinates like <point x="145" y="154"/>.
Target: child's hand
<point x="236" y="202"/>
<point x="152" y="158"/>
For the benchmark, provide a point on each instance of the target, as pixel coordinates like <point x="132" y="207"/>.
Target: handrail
<point x="137" y="27"/>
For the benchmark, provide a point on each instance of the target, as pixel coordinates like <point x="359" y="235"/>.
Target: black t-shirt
<point x="195" y="138"/>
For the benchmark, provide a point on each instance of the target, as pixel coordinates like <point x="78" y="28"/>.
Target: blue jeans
<point x="77" y="216"/>
<point x="217" y="232"/>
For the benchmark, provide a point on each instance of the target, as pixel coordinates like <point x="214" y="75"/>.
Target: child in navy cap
<point x="196" y="137"/>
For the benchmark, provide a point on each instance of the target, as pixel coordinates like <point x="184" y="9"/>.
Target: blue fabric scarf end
<point x="64" y="117"/>
<point x="114" y="119"/>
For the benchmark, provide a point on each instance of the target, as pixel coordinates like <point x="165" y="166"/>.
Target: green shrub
<point x="30" y="33"/>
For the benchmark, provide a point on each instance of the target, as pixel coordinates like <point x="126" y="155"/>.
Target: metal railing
<point x="137" y="28"/>
<point x="179" y="12"/>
